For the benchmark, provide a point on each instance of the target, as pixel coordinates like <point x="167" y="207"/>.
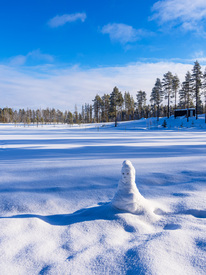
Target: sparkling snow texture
<point x="57" y="187"/>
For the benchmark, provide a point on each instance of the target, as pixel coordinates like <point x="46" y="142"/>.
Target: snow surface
<point x="56" y="187"/>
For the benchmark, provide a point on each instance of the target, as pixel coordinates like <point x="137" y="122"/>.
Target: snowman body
<point x="128" y="197"/>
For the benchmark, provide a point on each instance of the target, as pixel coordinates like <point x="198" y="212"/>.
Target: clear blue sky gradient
<point x="24" y="29"/>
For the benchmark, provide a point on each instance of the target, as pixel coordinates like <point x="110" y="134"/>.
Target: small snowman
<point x="128" y="197"/>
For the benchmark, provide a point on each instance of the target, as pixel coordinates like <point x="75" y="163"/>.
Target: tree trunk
<point x="168" y="115"/>
<point x="196" y="103"/>
<point x="205" y="109"/>
<point x="115" y="122"/>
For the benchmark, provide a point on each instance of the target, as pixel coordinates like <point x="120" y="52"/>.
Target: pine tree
<point x="197" y="83"/>
<point x="69" y="118"/>
<point x="182" y="97"/>
<point x="83" y="114"/>
<point x="129" y="106"/>
<point x="59" y="116"/>
<point x="86" y="110"/>
<point x="175" y="86"/>
<point x="157" y="96"/>
<point x="90" y="113"/>
<point x="105" y="107"/>
<point x="97" y="106"/>
<point x="141" y="102"/>
<point x="79" y="118"/>
<point x="167" y="84"/>
<point x="76" y="117"/>
<point x="204" y="90"/>
<point x="186" y="93"/>
<point x="116" y="101"/>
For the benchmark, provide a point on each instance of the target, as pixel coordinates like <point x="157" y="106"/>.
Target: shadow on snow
<point x="101" y="212"/>
<point x="101" y="152"/>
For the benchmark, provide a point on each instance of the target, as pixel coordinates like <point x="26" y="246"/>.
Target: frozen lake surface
<point x="56" y="184"/>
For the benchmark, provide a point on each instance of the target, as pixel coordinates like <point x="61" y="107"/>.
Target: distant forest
<point x="118" y="106"/>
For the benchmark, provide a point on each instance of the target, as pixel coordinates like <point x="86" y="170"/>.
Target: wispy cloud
<point x="187" y="14"/>
<point x="200" y="56"/>
<point x="33" y="56"/>
<point x="62" y="88"/>
<point x="123" y="33"/>
<point x="61" y="20"/>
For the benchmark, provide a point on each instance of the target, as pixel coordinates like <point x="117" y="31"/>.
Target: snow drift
<point x="56" y="199"/>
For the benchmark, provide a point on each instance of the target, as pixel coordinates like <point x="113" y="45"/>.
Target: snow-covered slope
<point x="56" y="188"/>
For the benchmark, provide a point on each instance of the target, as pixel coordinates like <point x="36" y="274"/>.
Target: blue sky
<point x="58" y="53"/>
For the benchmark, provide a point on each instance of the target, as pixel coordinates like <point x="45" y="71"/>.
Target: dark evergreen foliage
<point x="156" y="97"/>
<point x="186" y="93"/>
<point x="141" y="103"/>
<point x="116" y="102"/>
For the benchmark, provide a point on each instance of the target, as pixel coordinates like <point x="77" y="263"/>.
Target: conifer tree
<point x="157" y="96"/>
<point x="175" y="86"/>
<point x="83" y="114"/>
<point x="76" y="117"/>
<point x="204" y="90"/>
<point x="105" y="107"/>
<point x="69" y="118"/>
<point x="97" y="107"/>
<point x="167" y="84"/>
<point x="90" y="113"/>
<point x="129" y="105"/>
<point x="116" y="101"/>
<point x="141" y="102"/>
<point x="86" y="111"/>
<point x="197" y="83"/>
<point x="186" y="93"/>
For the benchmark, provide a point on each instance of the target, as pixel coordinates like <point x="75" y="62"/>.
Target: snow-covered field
<point x="56" y="184"/>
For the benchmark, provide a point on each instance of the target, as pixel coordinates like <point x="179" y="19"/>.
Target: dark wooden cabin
<point x="183" y="112"/>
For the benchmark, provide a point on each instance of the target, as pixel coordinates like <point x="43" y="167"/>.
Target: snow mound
<point x="128" y="197"/>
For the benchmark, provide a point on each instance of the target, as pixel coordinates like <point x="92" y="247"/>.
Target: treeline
<point x="120" y="107"/>
<point x="8" y="115"/>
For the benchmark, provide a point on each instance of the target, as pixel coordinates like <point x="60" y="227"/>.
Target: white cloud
<point x="37" y="54"/>
<point x="200" y="56"/>
<point x="33" y="56"/>
<point x="188" y="14"/>
<point x="48" y="86"/>
<point x="18" y="60"/>
<point x="63" y="19"/>
<point x="123" y="33"/>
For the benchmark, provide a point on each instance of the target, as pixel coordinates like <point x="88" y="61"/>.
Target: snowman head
<point x="128" y="172"/>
